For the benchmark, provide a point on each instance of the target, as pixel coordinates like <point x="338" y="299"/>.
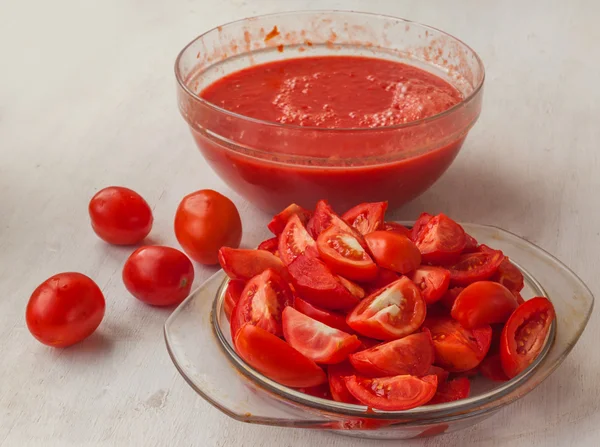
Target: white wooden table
<point x="87" y="99"/>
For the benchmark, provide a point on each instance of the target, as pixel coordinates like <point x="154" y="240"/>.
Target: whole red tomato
<point x="65" y="309"/>
<point x="206" y="221"/>
<point x="161" y="276"/>
<point x="120" y="216"/>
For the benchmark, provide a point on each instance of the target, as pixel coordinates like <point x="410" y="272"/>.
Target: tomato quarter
<point x="395" y="227"/>
<point x="509" y="276"/>
<point x="270" y="245"/>
<point x="393" y="251"/>
<point x="245" y="264"/>
<point x="233" y="292"/>
<point x="366" y="217"/>
<point x="295" y="241"/>
<point x="280" y="220"/>
<point x="432" y="281"/>
<point x="441" y="240"/>
<point x="452" y="390"/>
<point x="491" y="368"/>
<point x="419" y="225"/>
<point x="474" y="267"/>
<point x="483" y="302"/>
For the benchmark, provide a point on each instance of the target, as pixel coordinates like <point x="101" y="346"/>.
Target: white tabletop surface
<point x="87" y="99"/>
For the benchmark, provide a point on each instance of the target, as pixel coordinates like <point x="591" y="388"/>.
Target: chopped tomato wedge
<point x="352" y="287"/>
<point x="245" y="264"/>
<point x="327" y="317"/>
<point x="458" y="349"/>
<point x="393" y="393"/>
<point x="411" y="355"/>
<point x="337" y="385"/>
<point x="450" y="297"/>
<point x="384" y="277"/>
<point x="393" y="251"/>
<point x="366" y="217"/>
<point x="483" y="302"/>
<point x="343" y="253"/>
<point x="395" y="227"/>
<point x="520" y="299"/>
<point x="432" y="281"/>
<point x="270" y="245"/>
<point x="474" y="267"/>
<point x="315" y="340"/>
<point x="233" y="292"/>
<point x="471" y="244"/>
<point x="452" y="390"/>
<point x="441" y="373"/>
<point x="276" y="359"/>
<point x="280" y="220"/>
<point x="392" y="312"/>
<point x="419" y="225"/>
<point x="324" y="217"/>
<point x="295" y="241"/>
<point x="524" y="335"/>
<point x="491" y="368"/>
<point x="262" y="302"/>
<point x="441" y="240"/>
<point x="509" y="276"/>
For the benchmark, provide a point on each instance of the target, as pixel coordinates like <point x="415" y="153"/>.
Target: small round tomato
<point x="509" y="276"/>
<point x="206" y="221"/>
<point x="432" y="281"/>
<point x="315" y="340"/>
<point x="245" y="264"/>
<point x="233" y="292"/>
<point x="474" y="267"/>
<point x="393" y="251"/>
<point x="366" y="217"/>
<point x="262" y="302"/>
<point x="65" y="309"/>
<point x="441" y="240"/>
<point x="295" y="241"/>
<point x="342" y="252"/>
<point x="337" y="383"/>
<point x="160" y="276"/>
<point x="483" y="302"/>
<point x="411" y="355"/>
<point x="393" y="312"/>
<point x="120" y="216"/>
<point x="491" y="368"/>
<point x="270" y="245"/>
<point x="395" y="227"/>
<point x="280" y="220"/>
<point x="327" y="317"/>
<point x="276" y="359"/>
<point x="452" y="390"/>
<point x="458" y="349"/>
<point x="393" y="393"/>
<point x="524" y="335"/>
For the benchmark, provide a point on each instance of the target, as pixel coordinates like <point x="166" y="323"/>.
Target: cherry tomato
<point x="509" y="276"/>
<point x="366" y="217"/>
<point x="393" y="312"/>
<point x="262" y="302"/>
<point x="450" y="296"/>
<point x="483" y="302"/>
<point x="65" y="309"/>
<point x="120" y="216"/>
<point x="270" y="245"/>
<point x="327" y="317"/>
<point x="393" y="393"/>
<point x="160" y="276"/>
<point x="432" y="281"/>
<point x="419" y="225"/>
<point x="337" y="384"/>
<point x="393" y="251"/>
<point x="474" y="267"/>
<point x="491" y="368"/>
<point x="441" y="240"/>
<point x="232" y="296"/>
<point x="295" y="241"/>
<point x="384" y="277"/>
<point x="411" y="355"/>
<point x="344" y="255"/>
<point x="206" y="221"/>
<point x="280" y="220"/>
<point x="245" y="264"/>
<point x="316" y="283"/>
<point x="276" y="359"/>
<point x="452" y="390"/>
<point x="315" y="340"/>
<point x="458" y="349"/>
<point x="397" y="228"/>
<point x="524" y="335"/>
<point x="356" y="290"/>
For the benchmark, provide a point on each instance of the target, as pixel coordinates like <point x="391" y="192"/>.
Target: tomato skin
<point x="337" y="384"/>
<point x="524" y="335"/>
<point x="232" y="296"/>
<point x="159" y="276"/>
<point x="451" y="391"/>
<point x="65" y="309"/>
<point x="280" y="220"/>
<point x="396" y="393"/>
<point x="483" y="302"/>
<point x="441" y="240"/>
<point x="389" y="313"/>
<point x="295" y="241"/>
<point x="366" y="217"/>
<point x="473" y="267"/>
<point x="205" y="221"/>
<point x="395" y="227"/>
<point x="245" y="264"/>
<point x="491" y="368"/>
<point x="393" y="251"/>
<point x="276" y="359"/>
<point x="412" y="355"/>
<point x="329" y="318"/>
<point x="509" y="276"/>
<point x="270" y="245"/>
<point x="432" y="281"/>
<point x="120" y="216"/>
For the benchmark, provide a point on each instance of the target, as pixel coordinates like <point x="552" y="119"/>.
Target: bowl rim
<point x="466" y="100"/>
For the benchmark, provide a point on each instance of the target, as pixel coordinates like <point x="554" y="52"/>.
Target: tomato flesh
<point x="245" y="264"/>
<point x="332" y="319"/>
<point x="366" y="217"/>
<point x="432" y="281"/>
<point x="295" y="241"/>
<point x="270" y="245"/>
<point x="356" y="290"/>
<point x="452" y="390"/>
<point x="441" y="240"/>
<point x="233" y="293"/>
<point x="483" y="302"/>
<point x="474" y="267"/>
<point x="280" y="220"/>
<point x="393" y="251"/>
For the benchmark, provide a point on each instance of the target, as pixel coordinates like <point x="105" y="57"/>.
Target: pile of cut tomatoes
<point x="360" y="310"/>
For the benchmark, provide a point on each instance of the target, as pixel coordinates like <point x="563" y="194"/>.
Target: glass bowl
<point x="198" y="340"/>
<point x="273" y="164"/>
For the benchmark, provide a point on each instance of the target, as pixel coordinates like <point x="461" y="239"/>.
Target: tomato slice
<point x="395" y="227"/>
<point x="315" y="340"/>
<point x="441" y="240"/>
<point x="393" y="393"/>
<point x="524" y="335"/>
<point x="233" y="292"/>
<point x="474" y="267"/>
<point x="295" y="241"/>
<point x="491" y="368"/>
<point x="262" y="302"/>
<point x="450" y="297"/>
<point x="384" y="277"/>
<point x="411" y="355"/>
<point x="366" y="217"/>
<point x="316" y="283"/>
<point x="270" y="245"/>
<point x="337" y="385"/>
<point x="280" y="220"/>
<point x="245" y="264"/>
<point x="343" y="253"/>
<point x="483" y="302"/>
<point x="452" y="390"/>
<point x="432" y="281"/>
<point x="393" y="251"/>
<point x="509" y="276"/>
<point x="276" y="359"/>
<point x="327" y="317"/>
<point x="392" y="312"/>
<point x="419" y="225"/>
<point x="458" y="349"/>
<point x="356" y="290"/>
